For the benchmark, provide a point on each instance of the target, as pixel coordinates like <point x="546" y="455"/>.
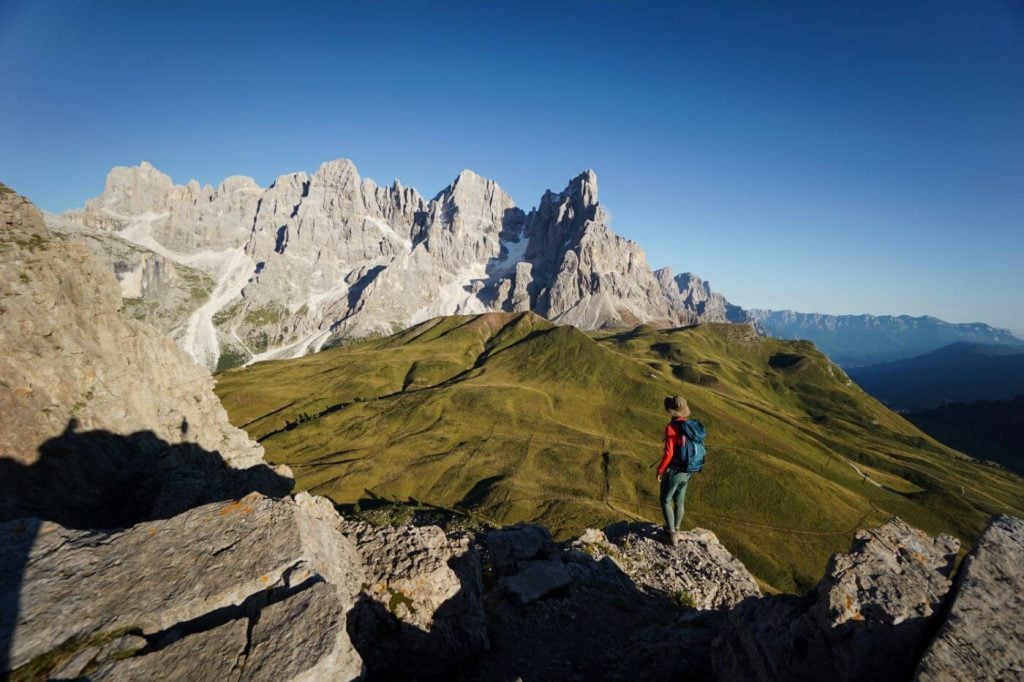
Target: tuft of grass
<point x="398" y="598"/>
<point x="33" y="243"/>
<point x="42" y="666"/>
<point x="259" y="317"/>
<point x="684" y="599"/>
<point x="511" y="418"/>
<point x="231" y="357"/>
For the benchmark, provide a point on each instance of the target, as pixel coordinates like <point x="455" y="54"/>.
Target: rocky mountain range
<point x="143" y="537"/>
<point x="240" y="273"/>
<point x="237" y="273"/>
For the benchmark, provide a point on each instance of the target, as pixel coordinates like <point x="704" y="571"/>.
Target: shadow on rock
<point x="98" y="479"/>
<point x="393" y="649"/>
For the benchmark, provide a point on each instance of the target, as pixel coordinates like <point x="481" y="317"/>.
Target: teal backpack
<point x="692" y="454"/>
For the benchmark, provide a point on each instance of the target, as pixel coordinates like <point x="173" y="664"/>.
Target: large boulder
<point x="255" y="588"/>
<point x="983" y="636"/>
<point x="537" y="579"/>
<point x="868" y="618"/>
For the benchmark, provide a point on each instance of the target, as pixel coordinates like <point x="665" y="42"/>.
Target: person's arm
<point x="669" y="449"/>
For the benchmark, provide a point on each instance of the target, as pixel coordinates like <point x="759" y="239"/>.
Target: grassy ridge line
<point x="512" y="418"/>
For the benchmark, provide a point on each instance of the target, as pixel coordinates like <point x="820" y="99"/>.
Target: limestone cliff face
<point x="73" y="360"/>
<point x="313" y="259"/>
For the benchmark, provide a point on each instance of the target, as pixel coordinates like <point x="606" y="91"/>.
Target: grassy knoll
<point x="515" y="419"/>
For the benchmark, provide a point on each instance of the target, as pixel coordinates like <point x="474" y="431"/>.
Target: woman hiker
<point x="672" y="472"/>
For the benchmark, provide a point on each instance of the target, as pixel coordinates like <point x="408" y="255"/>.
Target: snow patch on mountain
<point x="200" y="336"/>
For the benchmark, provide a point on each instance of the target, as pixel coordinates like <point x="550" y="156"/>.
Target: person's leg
<point x="679" y="497"/>
<point x="667" y="506"/>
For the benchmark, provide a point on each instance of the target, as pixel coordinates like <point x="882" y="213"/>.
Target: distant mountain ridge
<point x="959" y="372"/>
<point x="860" y="340"/>
<point x="240" y="273"/>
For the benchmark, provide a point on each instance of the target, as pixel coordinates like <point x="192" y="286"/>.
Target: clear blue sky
<point x="840" y="157"/>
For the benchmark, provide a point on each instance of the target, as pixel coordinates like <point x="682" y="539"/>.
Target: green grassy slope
<point x="516" y="419"/>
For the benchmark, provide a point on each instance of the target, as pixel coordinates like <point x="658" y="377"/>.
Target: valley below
<point x="508" y="418"/>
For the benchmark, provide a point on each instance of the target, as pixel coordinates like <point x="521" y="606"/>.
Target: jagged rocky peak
<point x="466" y="222"/>
<point x="131" y="190"/>
<point x="583" y="188"/>
<point x="689" y="292"/>
<point x="474" y="204"/>
<point x="237" y="183"/>
<point x="340" y="174"/>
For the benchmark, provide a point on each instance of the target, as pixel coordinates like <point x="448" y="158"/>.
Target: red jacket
<point x="674" y="438"/>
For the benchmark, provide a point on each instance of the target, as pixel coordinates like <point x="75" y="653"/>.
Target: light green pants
<point x="673" y="493"/>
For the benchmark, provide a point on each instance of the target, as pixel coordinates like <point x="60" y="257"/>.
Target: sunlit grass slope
<point x="515" y="419"/>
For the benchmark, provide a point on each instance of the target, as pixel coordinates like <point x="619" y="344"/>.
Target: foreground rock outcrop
<point x="111" y="443"/>
<point x="983" y="636"/>
<point x="869" y="618"/>
<point x="255" y="588"/>
<point x="699" y="572"/>
<point x="285" y="589"/>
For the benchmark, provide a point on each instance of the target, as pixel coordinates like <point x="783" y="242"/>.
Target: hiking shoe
<point x="673" y="538"/>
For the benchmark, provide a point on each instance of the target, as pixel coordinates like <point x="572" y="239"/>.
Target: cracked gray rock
<point x="868" y="618"/>
<point x="256" y="588"/>
<point x="510" y="546"/>
<point x="699" y="571"/>
<point x="537" y="579"/>
<point x="982" y="637"/>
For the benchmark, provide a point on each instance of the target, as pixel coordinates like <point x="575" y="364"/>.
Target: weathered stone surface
<point x="868" y="618"/>
<point x="71" y="361"/>
<point x="536" y="580"/>
<point x="302" y="638"/>
<point x="166" y="576"/>
<point x="893" y="574"/>
<point x="699" y="571"/>
<point x="423" y="588"/>
<point x="983" y="635"/>
<point x="214" y="655"/>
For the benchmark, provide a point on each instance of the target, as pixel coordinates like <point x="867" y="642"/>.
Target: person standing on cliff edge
<point x="683" y="456"/>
